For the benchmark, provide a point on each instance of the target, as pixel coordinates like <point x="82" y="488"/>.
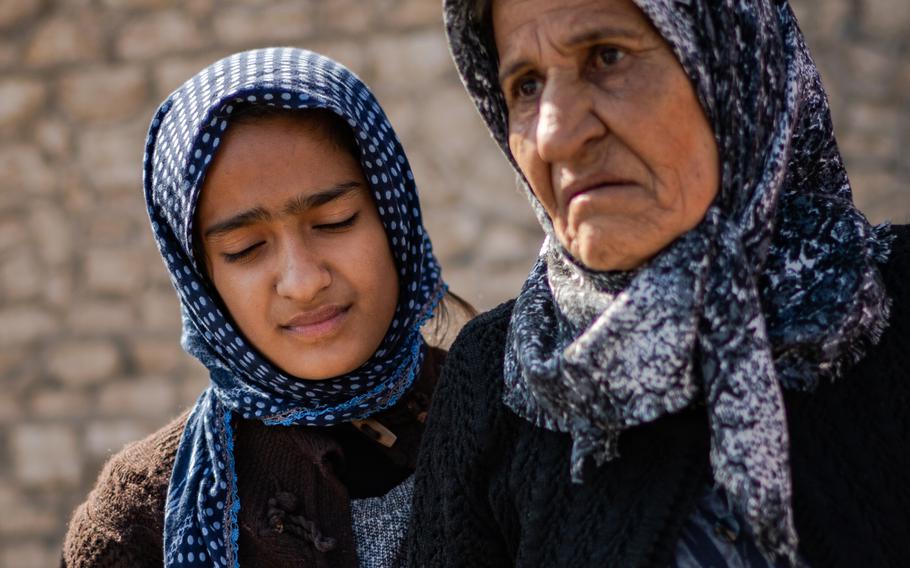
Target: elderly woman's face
<point x="605" y="125"/>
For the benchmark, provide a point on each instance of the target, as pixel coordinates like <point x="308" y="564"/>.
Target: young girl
<point x="286" y="212"/>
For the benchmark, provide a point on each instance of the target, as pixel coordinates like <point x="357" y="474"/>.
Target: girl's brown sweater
<point x="295" y="486"/>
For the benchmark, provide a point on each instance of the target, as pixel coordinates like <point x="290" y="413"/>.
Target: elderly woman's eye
<point x="607" y="56"/>
<point x="527" y="87"/>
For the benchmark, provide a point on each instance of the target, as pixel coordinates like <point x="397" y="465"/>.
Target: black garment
<point x="493" y="490"/>
<point x="777" y="287"/>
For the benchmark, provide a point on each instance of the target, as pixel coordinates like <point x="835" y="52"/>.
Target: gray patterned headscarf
<point x="778" y="287"/>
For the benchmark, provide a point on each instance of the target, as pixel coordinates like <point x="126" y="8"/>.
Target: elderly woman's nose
<point x="566" y="121"/>
<point x="301" y="275"/>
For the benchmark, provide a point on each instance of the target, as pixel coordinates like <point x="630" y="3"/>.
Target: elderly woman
<point x="708" y="365"/>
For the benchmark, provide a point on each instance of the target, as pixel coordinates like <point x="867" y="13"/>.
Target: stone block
<point x="111" y="157"/>
<point x="9" y="53"/>
<point x="52" y="135"/>
<point x="412" y="13"/>
<point x="65" y="39"/>
<point x="104" y="438"/>
<point x="22" y="324"/>
<point x="46" y="455"/>
<point x="171" y="73"/>
<point x="16" y="11"/>
<point x="23" y="516"/>
<point x="192" y="384"/>
<point x="869" y="146"/>
<point x="350" y="54"/>
<point x="58" y="287"/>
<point x="101" y="316"/>
<point x="25" y="170"/>
<point x="12" y="233"/>
<point x="114" y="271"/>
<point x="874" y="191"/>
<point x="21" y="276"/>
<point x="147" y="397"/>
<point x="347" y="16"/>
<point x="79" y="363"/>
<point x="451" y="125"/>
<point x="398" y="60"/>
<point x="488" y="184"/>
<point x="156" y="355"/>
<point x="20" y="99"/>
<point x="10" y="410"/>
<point x="399" y="108"/>
<point x="26" y="553"/>
<point x="56" y="403"/>
<point x="51" y="233"/>
<point x="505" y="246"/>
<point x="104" y="94"/>
<point x="870" y="69"/>
<point x="455" y="232"/>
<point x="267" y="24"/>
<point x="137" y="4"/>
<point x="160" y="311"/>
<point x="159" y="34"/>
<point x="824" y="21"/>
<point x="886" y="19"/>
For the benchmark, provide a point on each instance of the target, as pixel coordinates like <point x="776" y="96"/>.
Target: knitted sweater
<point x="295" y="486"/>
<point x="494" y="490"/>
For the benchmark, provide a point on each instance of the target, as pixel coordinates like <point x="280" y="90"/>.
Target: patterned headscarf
<point x="201" y="511"/>
<point x="778" y="287"/>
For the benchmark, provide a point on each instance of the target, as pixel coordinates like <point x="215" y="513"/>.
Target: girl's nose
<point x="302" y="275"/>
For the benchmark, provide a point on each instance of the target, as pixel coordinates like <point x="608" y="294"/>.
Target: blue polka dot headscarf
<point x="200" y="522"/>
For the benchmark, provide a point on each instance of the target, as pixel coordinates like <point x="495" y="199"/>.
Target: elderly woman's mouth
<point x="589" y="188"/>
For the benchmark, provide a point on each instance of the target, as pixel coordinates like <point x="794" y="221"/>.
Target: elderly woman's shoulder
<point x="121" y="522"/>
<point x="483" y="338"/>
<point x="473" y="366"/>
<point x="896" y="270"/>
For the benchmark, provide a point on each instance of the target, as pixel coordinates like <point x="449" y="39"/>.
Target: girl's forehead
<point x="273" y="167"/>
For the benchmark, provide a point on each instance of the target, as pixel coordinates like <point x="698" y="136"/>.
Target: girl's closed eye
<point x="242" y="255"/>
<point x="339" y="225"/>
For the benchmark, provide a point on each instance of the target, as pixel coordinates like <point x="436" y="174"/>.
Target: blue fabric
<point x="715" y="536"/>
<point x="201" y="510"/>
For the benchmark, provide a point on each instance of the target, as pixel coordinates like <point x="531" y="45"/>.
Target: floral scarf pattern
<point x="777" y="288"/>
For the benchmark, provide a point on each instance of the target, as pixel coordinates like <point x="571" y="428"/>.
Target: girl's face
<point x="295" y="247"/>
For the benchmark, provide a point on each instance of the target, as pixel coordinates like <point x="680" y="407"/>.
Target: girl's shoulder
<point x="122" y="521"/>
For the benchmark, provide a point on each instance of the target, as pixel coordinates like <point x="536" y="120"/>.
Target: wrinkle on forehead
<point x="571" y="24"/>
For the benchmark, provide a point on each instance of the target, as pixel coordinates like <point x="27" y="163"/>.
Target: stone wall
<point x="89" y="358"/>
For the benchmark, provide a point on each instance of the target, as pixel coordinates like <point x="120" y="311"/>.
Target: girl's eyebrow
<point x="294" y="206"/>
<point x="302" y="203"/>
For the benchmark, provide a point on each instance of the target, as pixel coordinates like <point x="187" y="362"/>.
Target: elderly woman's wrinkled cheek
<point x="617" y="229"/>
<point x="536" y="171"/>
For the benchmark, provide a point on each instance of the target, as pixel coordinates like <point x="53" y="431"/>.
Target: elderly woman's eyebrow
<point x="580" y="38"/>
<point x="294" y="206"/>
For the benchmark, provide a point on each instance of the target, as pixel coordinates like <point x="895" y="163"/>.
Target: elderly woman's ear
<point x="605" y="126"/>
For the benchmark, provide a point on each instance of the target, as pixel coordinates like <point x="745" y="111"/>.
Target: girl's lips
<point x="316" y="323"/>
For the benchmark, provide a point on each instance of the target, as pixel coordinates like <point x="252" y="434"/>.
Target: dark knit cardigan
<point x="493" y="490"/>
<point x="295" y="484"/>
